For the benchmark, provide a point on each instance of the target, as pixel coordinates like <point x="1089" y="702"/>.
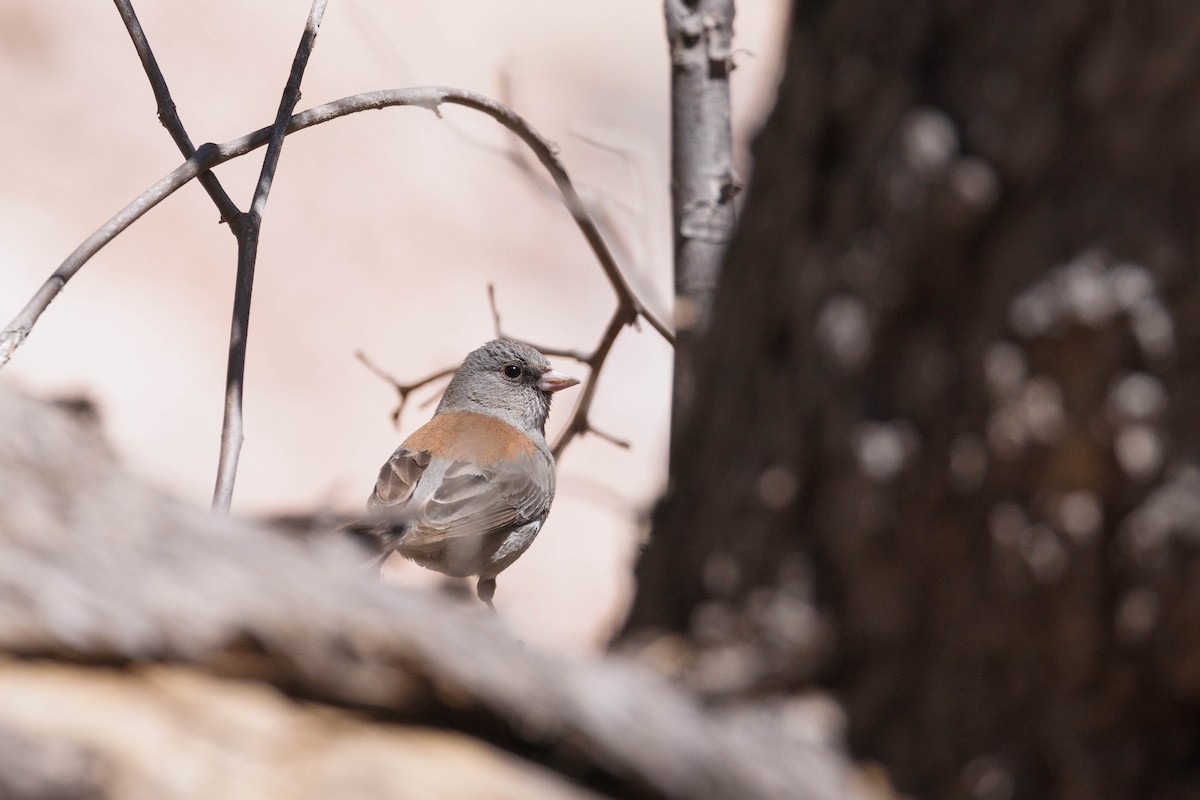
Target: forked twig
<point x="594" y="361"/>
<point x="403" y="390"/>
<point x="574" y="355"/>
<point x="243" y="226"/>
<point x="579" y="422"/>
<point x="547" y="154"/>
<point x="168" y="115"/>
<point x="248" y="236"/>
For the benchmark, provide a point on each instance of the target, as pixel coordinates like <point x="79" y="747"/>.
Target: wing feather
<point x="398" y="478"/>
<point x="472" y="500"/>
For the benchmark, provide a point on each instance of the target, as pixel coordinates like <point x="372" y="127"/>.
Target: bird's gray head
<point x="509" y="380"/>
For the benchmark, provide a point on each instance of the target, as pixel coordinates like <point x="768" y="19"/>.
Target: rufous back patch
<point x="470" y="436"/>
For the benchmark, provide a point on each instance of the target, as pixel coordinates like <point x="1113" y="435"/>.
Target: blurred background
<point x="381" y="235"/>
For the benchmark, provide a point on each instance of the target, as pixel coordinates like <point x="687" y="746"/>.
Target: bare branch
<point x="403" y="390"/>
<point x="594" y="361"/>
<point x="248" y="235"/>
<point x="547" y="154"/>
<point x="608" y="437"/>
<point x="169" y="116"/>
<point x="209" y="156"/>
<point x="578" y="423"/>
<point x="495" y="311"/>
<point x="579" y="418"/>
<point x="574" y="355"/>
<point x="17" y="330"/>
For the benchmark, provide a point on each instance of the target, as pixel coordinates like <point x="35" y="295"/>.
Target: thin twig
<point x="169" y="116"/>
<point x="548" y="155"/>
<point x="557" y="352"/>
<point x="518" y="158"/>
<point x="16" y="332"/>
<point x="209" y="156"/>
<point x="495" y="311"/>
<point x="578" y="423"/>
<point x="403" y="390"/>
<point x="594" y="361"/>
<point x="514" y="154"/>
<point x="608" y="437"/>
<point x="248" y="236"/>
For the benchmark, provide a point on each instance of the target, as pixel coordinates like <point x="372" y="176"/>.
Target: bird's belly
<point x="485" y="556"/>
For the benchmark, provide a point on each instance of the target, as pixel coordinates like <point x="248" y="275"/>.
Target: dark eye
<point x="512" y="371"/>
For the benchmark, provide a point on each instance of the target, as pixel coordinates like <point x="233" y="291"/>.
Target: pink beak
<point x="555" y="381"/>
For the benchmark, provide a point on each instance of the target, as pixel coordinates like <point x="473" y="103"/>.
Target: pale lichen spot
<point x="1138" y="397"/>
<point x="929" y="142"/>
<point x="1137" y="615"/>
<point x="1139" y="451"/>
<point x="883" y="448"/>
<point x="777" y="486"/>
<point x="844" y="331"/>
<point x="1080" y="515"/>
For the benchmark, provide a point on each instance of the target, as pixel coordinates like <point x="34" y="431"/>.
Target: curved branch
<point x="16" y="332"/>
<point x="579" y="419"/>
<point x="579" y="423"/>
<point x="210" y="155"/>
<point x="403" y="390"/>
<point x="547" y="153"/>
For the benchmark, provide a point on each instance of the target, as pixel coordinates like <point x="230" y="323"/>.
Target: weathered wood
<point x="96" y="568"/>
<point x="173" y="732"/>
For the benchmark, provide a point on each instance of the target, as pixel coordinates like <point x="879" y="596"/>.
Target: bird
<point x="468" y="491"/>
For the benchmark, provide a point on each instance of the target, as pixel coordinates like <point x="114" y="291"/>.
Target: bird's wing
<point x="390" y="519"/>
<point x="474" y="500"/>
<point x="398" y="478"/>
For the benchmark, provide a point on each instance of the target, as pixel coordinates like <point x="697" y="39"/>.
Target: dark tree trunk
<point x="943" y="457"/>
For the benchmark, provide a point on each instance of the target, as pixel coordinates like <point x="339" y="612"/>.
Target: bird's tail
<point x="378" y="536"/>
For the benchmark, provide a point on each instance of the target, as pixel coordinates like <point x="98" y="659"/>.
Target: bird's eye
<point x="512" y="371"/>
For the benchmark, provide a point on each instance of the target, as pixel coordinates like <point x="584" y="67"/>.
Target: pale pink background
<point x="382" y="232"/>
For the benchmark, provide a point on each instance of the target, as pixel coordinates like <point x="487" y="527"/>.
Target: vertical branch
<point x="248" y="237"/>
<point x="703" y="183"/>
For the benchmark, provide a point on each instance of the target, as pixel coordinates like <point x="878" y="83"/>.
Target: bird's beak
<point x="555" y="381"/>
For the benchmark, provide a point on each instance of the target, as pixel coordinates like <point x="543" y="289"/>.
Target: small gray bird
<point x="471" y="488"/>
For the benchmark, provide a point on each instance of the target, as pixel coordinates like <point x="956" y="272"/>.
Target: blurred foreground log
<point x="200" y="657"/>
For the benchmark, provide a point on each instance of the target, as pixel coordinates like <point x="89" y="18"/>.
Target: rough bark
<point x="943" y="457"/>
